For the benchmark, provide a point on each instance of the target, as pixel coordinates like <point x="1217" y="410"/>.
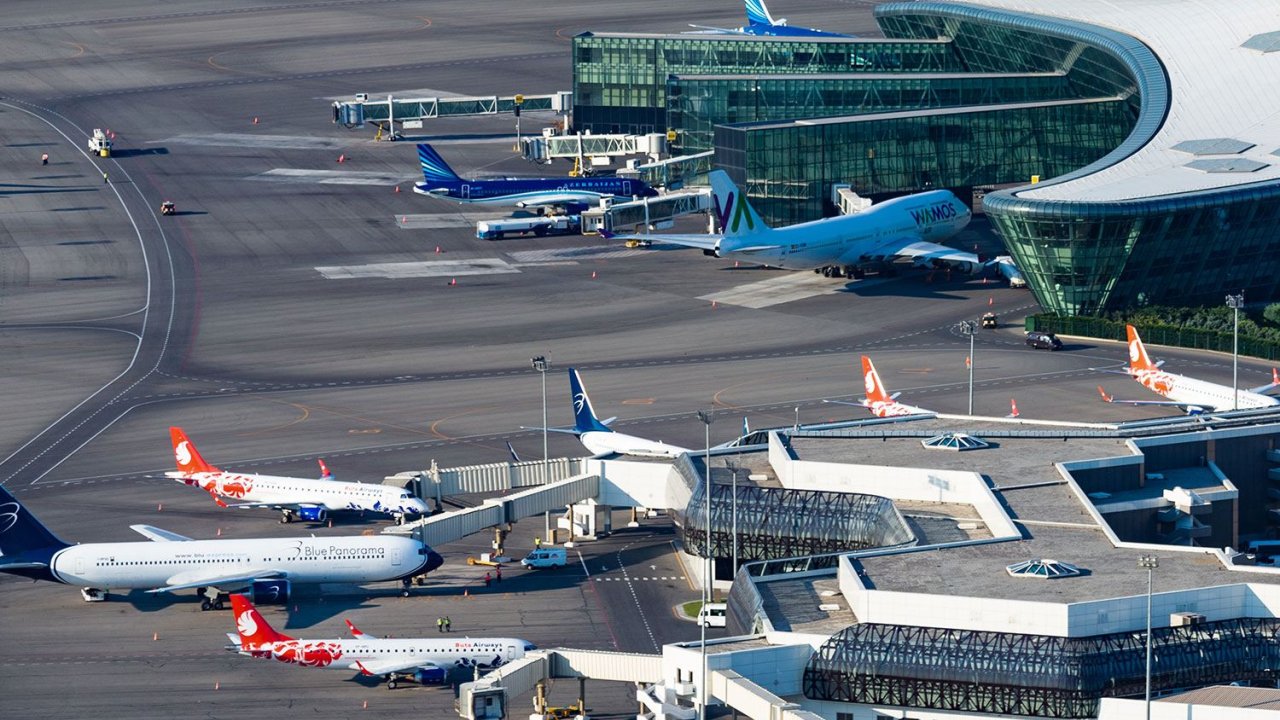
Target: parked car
<point x="1043" y="341"/>
<point x="713" y="614"/>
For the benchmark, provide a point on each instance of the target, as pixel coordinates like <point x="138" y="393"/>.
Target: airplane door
<point x="511" y="652"/>
<point x="466" y="191"/>
<point x="626" y="187"/>
<point x="82" y="566"/>
<point x="395" y="556"/>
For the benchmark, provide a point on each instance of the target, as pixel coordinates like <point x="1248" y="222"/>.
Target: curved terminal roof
<point x="1224" y="84"/>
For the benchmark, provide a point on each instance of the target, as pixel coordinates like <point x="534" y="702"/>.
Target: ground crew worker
<point x="448" y="624"/>
<point x="44" y="158"/>
<point x="439" y="624"/>
<point x="537" y="542"/>
<point x="497" y="574"/>
<point x="104" y="177"/>
<point x="487" y="579"/>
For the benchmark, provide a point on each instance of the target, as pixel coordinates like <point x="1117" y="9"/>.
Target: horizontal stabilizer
<point x="155" y="534"/>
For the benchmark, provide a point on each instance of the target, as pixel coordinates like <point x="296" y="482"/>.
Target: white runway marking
<point x="248" y="140"/>
<point x="399" y="271"/>
<point x="331" y="177"/>
<point x="784" y="288"/>
<point x="593" y="252"/>
<point x="435" y="221"/>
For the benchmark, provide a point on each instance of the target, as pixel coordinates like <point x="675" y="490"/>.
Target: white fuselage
<point x="352" y="559"/>
<point x="404" y="652"/>
<point x="893" y="408"/>
<point x="1183" y="389"/>
<point x="288" y="491"/>
<point x="603" y="443"/>
<point x="846" y="240"/>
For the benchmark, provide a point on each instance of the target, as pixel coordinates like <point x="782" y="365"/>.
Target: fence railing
<point x="1175" y="336"/>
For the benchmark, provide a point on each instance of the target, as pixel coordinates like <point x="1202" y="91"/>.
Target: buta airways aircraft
<point x="423" y="660"/>
<point x="268" y="566"/>
<point x="571" y="193"/>
<point x="306" y="498"/>
<point x="910" y="226"/>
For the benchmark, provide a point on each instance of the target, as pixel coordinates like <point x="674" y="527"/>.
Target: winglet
<point x="355" y="632"/>
<point x="871" y="382"/>
<point x="186" y="455"/>
<point x="1105" y="396"/>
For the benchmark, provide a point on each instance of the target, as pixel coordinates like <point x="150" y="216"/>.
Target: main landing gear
<point x="286" y="516"/>
<point x="207" y="603"/>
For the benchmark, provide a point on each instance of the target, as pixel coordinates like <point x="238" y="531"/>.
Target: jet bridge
<point x="652" y="213"/>
<point x="410" y="112"/>
<point x="592" y="149"/>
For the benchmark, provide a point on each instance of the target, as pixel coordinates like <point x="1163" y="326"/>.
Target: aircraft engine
<point x="270" y="592"/>
<point x="315" y="513"/>
<point x="430" y="676"/>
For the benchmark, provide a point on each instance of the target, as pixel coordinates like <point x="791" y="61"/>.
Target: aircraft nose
<point x="418" y="506"/>
<point x="434" y="560"/>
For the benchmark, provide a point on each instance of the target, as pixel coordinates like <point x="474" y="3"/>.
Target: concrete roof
<point x="1218" y="89"/>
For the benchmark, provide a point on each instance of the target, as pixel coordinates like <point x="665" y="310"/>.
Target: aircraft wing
<point x="712" y="30"/>
<point x="560" y="198"/>
<point x="217" y="576"/>
<point x="926" y="253"/>
<point x="382" y="667"/>
<point x="290" y="505"/>
<point x="701" y="241"/>
<point x="155" y="534"/>
<point x="1188" y="406"/>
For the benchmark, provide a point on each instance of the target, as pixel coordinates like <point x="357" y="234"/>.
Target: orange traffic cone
<point x="255" y="120"/>
<point x="397" y="188"/>
<point x="366" y="705"/>
<point x="159" y="507"/>
<point x="1013" y="405"/>
<point x="437" y="249"/>
<point x="330" y="522"/>
<point x="155" y="636"/>
<point x="593" y="274"/>
<point x="219" y="532"/>
<point x="404" y="219"/>
<point x="991" y="301"/>
<point x="342" y="158"/>
<point x="216" y="684"/>
<point x="713" y="304"/>
<point x="453" y="281"/>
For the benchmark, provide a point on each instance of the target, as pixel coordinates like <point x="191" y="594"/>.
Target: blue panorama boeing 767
<point x="442" y="182"/>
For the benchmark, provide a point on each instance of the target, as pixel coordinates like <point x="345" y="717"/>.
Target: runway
<point x="310" y="315"/>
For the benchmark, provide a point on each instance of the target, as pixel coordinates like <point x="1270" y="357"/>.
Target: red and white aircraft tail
<point x="1139" y="361"/>
<point x="186" y="455"/>
<point x="252" y="629"/>
<point x="871" y="382"/>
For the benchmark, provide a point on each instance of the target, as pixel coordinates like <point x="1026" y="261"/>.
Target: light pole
<point x="970" y="328"/>
<point x="541" y="364"/>
<point x="1150" y="562"/>
<point x="1235" y="302"/>
<point x="706" y="418"/>
<point x="734" y="468"/>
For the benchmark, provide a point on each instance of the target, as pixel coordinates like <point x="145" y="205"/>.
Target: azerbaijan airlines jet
<point x="425" y="660"/>
<point x="878" y="400"/>
<point x="910" y="226"/>
<point x="568" y="192"/>
<point x="306" y="498"/>
<point x="269" y="566"/>
<point x="760" y="22"/>
<point x="1192" y="395"/>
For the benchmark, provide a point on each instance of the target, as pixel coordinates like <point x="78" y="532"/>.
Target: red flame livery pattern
<point x="878" y="400"/>
<point x="203" y="475"/>
<point x="260" y="640"/>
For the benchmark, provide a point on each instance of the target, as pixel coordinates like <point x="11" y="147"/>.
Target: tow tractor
<point x="168" y="208"/>
<point x="990" y="320"/>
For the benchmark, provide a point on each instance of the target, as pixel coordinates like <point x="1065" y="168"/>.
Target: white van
<point x="712" y="615"/>
<point x="545" y="557"/>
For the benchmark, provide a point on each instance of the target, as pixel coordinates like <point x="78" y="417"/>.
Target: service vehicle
<point x="168" y="208"/>
<point x="539" y="225"/>
<point x="713" y="615"/>
<point x="546" y="557"/>
<point x="990" y="320"/>
<point x="1043" y="340"/>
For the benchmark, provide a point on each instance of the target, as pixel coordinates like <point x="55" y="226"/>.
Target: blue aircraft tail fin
<point x="26" y="545"/>
<point x="584" y="416"/>
<point x="434" y="168"/>
<point x="758" y="14"/>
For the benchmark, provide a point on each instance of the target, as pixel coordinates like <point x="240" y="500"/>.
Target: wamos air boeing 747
<point x="1192" y="395"/>
<point x="910" y="227"/>
<point x="173" y="562"/>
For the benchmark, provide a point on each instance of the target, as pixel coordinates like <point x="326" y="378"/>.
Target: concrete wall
<point x="1109" y="475"/>
<point x="631" y="483"/>
<point x="1244" y="460"/>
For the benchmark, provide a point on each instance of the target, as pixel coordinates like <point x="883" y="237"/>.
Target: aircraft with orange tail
<point x="302" y="497"/>
<point x="423" y="660"/>
<point x="1192" y="395"/>
<point x="878" y="400"/>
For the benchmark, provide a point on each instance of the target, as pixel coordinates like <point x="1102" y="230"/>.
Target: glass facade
<point x="620" y="80"/>
<point x="1034" y="675"/>
<point x="775" y="522"/>
<point x="696" y="103"/>
<point x="788" y="169"/>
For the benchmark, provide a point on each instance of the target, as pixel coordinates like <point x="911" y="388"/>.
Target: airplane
<point x="306" y="498"/>
<point x="907" y="226"/>
<point x="878" y="400"/>
<point x="424" y="660"/>
<point x="169" y="561"/>
<point x="1192" y="395"/>
<point x="1004" y="264"/>
<point x="572" y="193"/>
<point x="599" y="438"/>
<point x="760" y="22"/>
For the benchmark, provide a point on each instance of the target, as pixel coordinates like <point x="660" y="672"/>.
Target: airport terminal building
<point x="1155" y="133"/>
